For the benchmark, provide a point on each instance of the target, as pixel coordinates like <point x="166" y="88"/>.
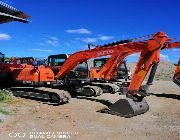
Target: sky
<point x="67" y="26"/>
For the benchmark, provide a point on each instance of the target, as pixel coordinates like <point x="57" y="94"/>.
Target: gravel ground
<point x="161" y="122"/>
<point x="165" y="71"/>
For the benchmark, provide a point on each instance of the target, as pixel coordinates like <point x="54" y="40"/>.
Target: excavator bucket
<point x="176" y="79"/>
<point x="126" y="108"/>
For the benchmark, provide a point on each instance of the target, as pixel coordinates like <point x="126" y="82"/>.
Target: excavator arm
<point x="171" y="45"/>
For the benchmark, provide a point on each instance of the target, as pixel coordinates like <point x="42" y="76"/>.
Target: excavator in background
<point x="83" y="72"/>
<point x="176" y="78"/>
<point x="31" y="61"/>
<point x="89" y="72"/>
<point x="135" y="103"/>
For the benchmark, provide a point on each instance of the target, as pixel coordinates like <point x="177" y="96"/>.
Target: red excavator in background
<point x="149" y="57"/>
<point x="87" y="71"/>
<point x="176" y="78"/>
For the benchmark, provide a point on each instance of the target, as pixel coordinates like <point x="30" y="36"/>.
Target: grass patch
<point x="5" y="96"/>
<point x="5" y="112"/>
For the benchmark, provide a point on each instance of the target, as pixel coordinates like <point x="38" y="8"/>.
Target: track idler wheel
<point x="54" y="98"/>
<point x="91" y="91"/>
<point x="59" y="98"/>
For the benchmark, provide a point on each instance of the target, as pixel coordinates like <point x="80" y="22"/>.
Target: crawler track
<point x="53" y="96"/>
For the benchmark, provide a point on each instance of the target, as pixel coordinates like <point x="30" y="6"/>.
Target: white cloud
<point x="175" y="50"/>
<point x="135" y="55"/>
<point x="93" y="39"/>
<point x="54" y="38"/>
<point x="105" y="37"/>
<point x="164" y="57"/>
<point x="4" y="36"/>
<point x="54" y="41"/>
<point x="79" y="31"/>
<point x="41" y="50"/>
<point x="67" y="44"/>
<point x="89" y="40"/>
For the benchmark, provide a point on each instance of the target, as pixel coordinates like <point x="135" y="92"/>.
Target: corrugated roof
<point x="9" y="13"/>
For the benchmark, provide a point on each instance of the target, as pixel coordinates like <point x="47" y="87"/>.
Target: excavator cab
<point x="25" y="60"/>
<point x="122" y="72"/>
<point x="98" y="63"/>
<point x="56" y="61"/>
<point x="2" y="59"/>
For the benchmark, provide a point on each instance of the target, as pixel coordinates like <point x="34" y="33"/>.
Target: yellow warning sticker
<point x="141" y="73"/>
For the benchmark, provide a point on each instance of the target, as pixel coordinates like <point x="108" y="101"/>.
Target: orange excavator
<point x="134" y="104"/>
<point x="176" y="78"/>
<point x="149" y="57"/>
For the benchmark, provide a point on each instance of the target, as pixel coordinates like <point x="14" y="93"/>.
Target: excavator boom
<point x="99" y="51"/>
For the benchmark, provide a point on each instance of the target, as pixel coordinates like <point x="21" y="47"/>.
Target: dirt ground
<point x="80" y="119"/>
